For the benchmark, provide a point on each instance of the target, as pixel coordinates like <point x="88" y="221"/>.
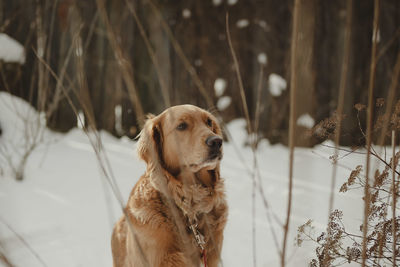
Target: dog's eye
<point x="209" y="122"/>
<point x="182" y="126"/>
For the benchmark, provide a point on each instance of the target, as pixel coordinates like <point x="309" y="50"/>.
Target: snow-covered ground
<point x="64" y="209"/>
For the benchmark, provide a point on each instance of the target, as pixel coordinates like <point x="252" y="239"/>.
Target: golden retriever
<point x="176" y="212"/>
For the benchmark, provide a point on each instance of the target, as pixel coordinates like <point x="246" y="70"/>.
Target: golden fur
<point x="181" y="185"/>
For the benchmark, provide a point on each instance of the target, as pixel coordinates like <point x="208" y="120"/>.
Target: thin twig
<point x="250" y="131"/>
<point x="102" y="164"/>
<point x="394" y="196"/>
<point x="153" y="56"/>
<point x="391" y="96"/>
<point x="369" y="129"/>
<point x="123" y="63"/>
<point x="342" y="88"/>
<point x="5" y="260"/>
<point x="20" y="238"/>
<point x="388" y="44"/>
<point x="238" y="76"/>
<point x="181" y="55"/>
<point x="292" y="120"/>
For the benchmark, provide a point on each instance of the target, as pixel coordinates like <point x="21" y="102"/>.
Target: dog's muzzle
<point x="214" y="144"/>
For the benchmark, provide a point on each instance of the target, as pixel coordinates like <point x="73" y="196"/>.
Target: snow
<point x="276" y="84"/>
<point x="11" y="50"/>
<point x="242" y="23"/>
<point x="219" y="86"/>
<point x="262" y="58"/>
<point x="306" y="121"/>
<point x="186" y="13"/>
<point x="64" y="209"/>
<point x="263" y="24"/>
<point x="217" y="2"/>
<point x="224" y="102"/>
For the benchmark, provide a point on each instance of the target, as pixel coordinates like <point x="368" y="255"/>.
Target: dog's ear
<point x="150" y="141"/>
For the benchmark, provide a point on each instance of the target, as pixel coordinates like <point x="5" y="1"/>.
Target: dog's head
<point x="181" y="138"/>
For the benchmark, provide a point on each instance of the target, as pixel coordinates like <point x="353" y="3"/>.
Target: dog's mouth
<point x="214" y="155"/>
<point x="209" y="163"/>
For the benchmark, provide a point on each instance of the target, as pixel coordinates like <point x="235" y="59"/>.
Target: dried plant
<point x="337" y="246"/>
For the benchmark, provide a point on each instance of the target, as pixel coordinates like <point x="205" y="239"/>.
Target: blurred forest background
<point x="298" y="71"/>
<point x="120" y="59"/>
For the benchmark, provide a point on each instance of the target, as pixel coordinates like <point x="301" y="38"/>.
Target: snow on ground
<point x="65" y="210"/>
<point x="306" y="121"/>
<point x="11" y="50"/>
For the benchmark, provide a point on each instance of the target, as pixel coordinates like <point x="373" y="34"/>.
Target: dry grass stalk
<point x="101" y="157"/>
<point x="292" y="120"/>
<point x="179" y="51"/>
<point x="250" y="131"/>
<point x="386" y="47"/>
<point x="239" y="76"/>
<point x="26" y="244"/>
<point x="369" y="129"/>
<point x="83" y="95"/>
<point x="153" y="57"/>
<point x="41" y="48"/>
<point x="390" y="100"/>
<point x="5" y="260"/>
<point x="123" y="63"/>
<point x="33" y="131"/>
<point x="58" y="92"/>
<point x="253" y="143"/>
<point x="342" y="88"/>
<point x="394" y="198"/>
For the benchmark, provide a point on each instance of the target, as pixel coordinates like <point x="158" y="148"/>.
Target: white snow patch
<point x="232" y="2"/>
<point x="16" y="114"/>
<point x="276" y="84"/>
<point x="186" y="13"/>
<point x="219" y="86"/>
<point x="216" y="2"/>
<point x="42" y="119"/>
<point x="306" y="121"/>
<point x="263" y="24"/>
<point x="224" y="102"/>
<point x="11" y="50"/>
<point x="237" y="128"/>
<point x="262" y="58"/>
<point x="242" y="23"/>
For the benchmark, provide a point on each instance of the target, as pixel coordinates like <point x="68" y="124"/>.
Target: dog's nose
<point x="214" y="142"/>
